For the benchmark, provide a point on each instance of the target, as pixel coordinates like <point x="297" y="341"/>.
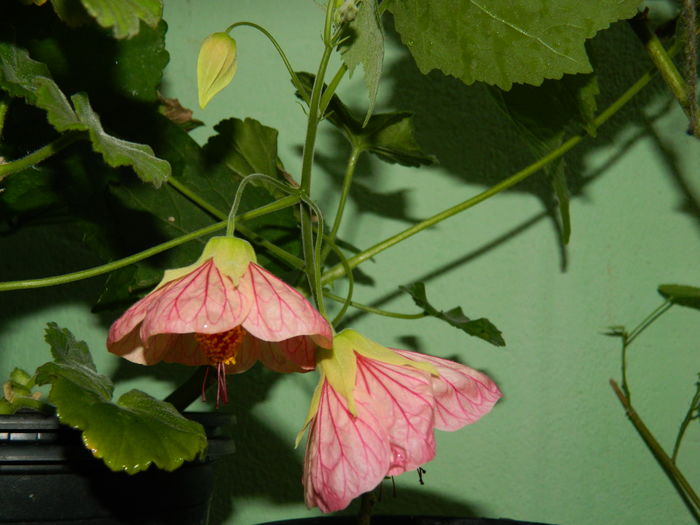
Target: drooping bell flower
<point x="374" y="412"/>
<point x="225" y="311"/>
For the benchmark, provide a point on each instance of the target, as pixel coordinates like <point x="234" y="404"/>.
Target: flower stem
<point x="295" y="79"/>
<point x="680" y="482"/>
<point x="338" y="271"/>
<point x="39" y="155"/>
<point x="372" y="310"/>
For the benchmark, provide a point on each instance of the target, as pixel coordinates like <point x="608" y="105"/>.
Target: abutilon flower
<point x="374" y="411"/>
<point x="225" y="311"/>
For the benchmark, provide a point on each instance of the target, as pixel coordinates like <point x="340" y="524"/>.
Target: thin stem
<point x="664" y="63"/>
<point x="330" y="89"/>
<point x="372" y="310"/>
<point x="281" y="254"/>
<point x="351" y="284"/>
<point x="39" y="155"/>
<point x="338" y="271"/>
<point x="684" y="488"/>
<point x="648" y="320"/>
<point x="689" y="416"/>
<point x="295" y="79"/>
<point x="344" y="192"/>
<point x="109" y="267"/>
<point x="312" y="251"/>
<point x="292" y="198"/>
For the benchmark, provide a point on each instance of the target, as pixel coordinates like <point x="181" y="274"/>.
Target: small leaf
<point x="125" y="16"/>
<point x="118" y="152"/>
<point x="501" y="43"/>
<point x="481" y="328"/>
<point x="366" y="47"/>
<point x="129" y="435"/>
<point x="389" y="136"/>
<point x="681" y="294"/>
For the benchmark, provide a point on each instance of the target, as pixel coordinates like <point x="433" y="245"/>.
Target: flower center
<point x="221" y="348"/>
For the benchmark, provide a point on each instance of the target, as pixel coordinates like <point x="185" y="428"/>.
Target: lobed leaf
<point x="502" y="43"/>
<point x="124" y="16"/>
<point x="481" y="328"/>
<point x="128" y="435"/>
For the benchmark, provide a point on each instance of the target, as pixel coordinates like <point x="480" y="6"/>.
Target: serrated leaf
<point x="481" y="328"/>
<point x="128" y="435"/>
<point x="501" y="43"/>
<point x="366" y="47"/>
<point x="681" y="294"/>
<point x="124" y="16"/>
<point x="389" y="136"/>
<point x="117" y="152"/>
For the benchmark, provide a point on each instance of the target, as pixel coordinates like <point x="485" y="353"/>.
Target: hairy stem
<point x="65" y="140"/>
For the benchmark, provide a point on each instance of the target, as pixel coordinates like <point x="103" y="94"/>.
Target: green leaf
<point x="118" y="152"/>
<point x="128" y="435"/>
<point x="481" y="328"/>
<point x="389" y="136"/>
<point x="124" y="16"/>
<point x="501" y="43"/>
<point x="681" y="294"/>
<point x="366" y="47"/>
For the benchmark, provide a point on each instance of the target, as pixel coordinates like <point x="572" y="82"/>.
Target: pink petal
<point x="268" y="353"/>
<point x="345" y="455"/>
<point x="279" y="312"/>
<point x="462" y="395"/>
<point x="402" y="397"/>
<point x="203" y="301"/>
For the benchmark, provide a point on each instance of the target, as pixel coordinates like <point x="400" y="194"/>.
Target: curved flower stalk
<point x="374" y="411"/>
<point x="226" y="311"/>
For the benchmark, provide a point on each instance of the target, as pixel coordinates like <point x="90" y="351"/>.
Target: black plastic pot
<point x="48" y="477"/>
<point x="401" y="520"/>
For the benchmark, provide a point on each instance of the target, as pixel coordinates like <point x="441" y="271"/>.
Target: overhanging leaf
<point x="501" y="43"/>
<point x="481" y="328"/>
<point x="366" y="47"/>
<point x="681" y="294"/>
<point x="128" y="435"/>
<point x="125" y="16"/>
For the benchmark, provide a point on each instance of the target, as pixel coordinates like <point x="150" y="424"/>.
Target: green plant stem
<point x="662" y="59"/>
<point x="40" y="155"/>
<point x="344" y="192"/>
<point x="694" y="405"/>
<point x="371" y="309"/>
<point x="338" y="271"/>
<point x="331" y="87"/>
<point x="215" y="212"/>
<point x="351" y="284"/>
<point x="679" y="480"/>
<point x="295" y="79"/>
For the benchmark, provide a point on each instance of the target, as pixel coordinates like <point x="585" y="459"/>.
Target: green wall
<point x="558" y="447"/>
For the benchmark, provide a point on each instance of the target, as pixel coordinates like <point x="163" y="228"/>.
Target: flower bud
<point x="216" y="66"/>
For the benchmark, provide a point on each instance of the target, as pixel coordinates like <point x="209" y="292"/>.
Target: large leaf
<point x="128" y="435"/>
<point x="366" y="47"/>
<point x="481" y="328"/>
<point x="501" y="43"/>
<point x="681" y="294"/>
<point x="389" y="136"/>
<point x="124" y="16"/>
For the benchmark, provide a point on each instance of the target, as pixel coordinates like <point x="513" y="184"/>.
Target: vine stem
<point x="694" y="404"/>
<point x="677" y="477"/>
<point x="338" y="270"/>
<point x="43" y="153"/>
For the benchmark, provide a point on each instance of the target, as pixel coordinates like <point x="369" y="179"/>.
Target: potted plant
<point x="216" y="257"/>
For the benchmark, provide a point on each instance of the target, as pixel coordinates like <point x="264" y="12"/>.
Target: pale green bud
<point x="216" y="66"/>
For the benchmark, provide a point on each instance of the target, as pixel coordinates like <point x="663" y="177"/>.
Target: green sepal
<point x="128" y="435"/>
<point x="481" y="328"/>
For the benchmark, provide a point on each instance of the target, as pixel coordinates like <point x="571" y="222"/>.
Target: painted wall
<point x="558" y="447"/>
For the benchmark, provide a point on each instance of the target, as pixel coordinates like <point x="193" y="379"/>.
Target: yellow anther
<point x="221" y="348"/>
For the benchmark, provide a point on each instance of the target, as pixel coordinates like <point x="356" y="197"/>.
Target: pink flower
<point x="226" y="311"/>
<point x="373" y="415"/>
